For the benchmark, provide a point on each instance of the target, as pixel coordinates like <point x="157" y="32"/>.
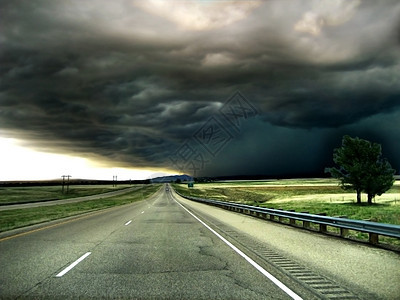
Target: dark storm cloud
<point x="131" y="82"/>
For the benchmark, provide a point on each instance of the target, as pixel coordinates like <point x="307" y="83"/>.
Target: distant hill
<point x="171" y="178"/>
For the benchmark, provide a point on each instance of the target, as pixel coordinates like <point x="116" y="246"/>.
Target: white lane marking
<point x="283" y="287"/>
<point x="71" y="266"/>
<point x="127" y="223"/>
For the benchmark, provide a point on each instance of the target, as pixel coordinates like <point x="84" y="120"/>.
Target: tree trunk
<point x="370" y="197"/>
<point x="358" y="197"/>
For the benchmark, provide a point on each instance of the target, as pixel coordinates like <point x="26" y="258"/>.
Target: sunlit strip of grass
<point x="260" y="194"/>
<point x="16" y="218"/>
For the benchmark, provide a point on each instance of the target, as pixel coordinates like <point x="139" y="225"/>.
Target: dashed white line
<point x="127" y="223"/>
<point x="283" y="287"/>
<point x="71" y="266"/>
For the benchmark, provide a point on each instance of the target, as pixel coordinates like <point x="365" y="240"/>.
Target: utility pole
<point x="63" y="182"/>
<point x="68" y="176"/>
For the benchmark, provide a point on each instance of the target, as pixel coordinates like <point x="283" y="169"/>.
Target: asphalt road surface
<point x="167" y="248"/>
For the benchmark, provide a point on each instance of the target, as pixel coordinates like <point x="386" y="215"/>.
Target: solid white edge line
<point x="127" y="223"/>
<point x="283" y="287"/>
<point x="67" y="269"/>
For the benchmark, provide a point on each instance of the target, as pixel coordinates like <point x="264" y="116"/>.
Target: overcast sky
<point x="204" y="87"/>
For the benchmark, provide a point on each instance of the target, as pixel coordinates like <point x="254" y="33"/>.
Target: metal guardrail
<point x="374" y="229"/>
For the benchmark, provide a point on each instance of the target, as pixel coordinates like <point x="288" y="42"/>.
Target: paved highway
<point x="167" y="248"/>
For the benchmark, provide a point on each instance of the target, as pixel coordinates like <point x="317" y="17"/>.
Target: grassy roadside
<point x="16" y="218"/>
<point x="313" y="196"/>
<point x="10" y="195"/>
<point x="289" y="195"/>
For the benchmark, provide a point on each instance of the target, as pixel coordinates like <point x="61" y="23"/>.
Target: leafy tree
<point x="362" y="168"/>
<point x="379" y="180"/>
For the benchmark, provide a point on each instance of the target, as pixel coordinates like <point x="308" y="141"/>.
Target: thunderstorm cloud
<point x="134" y="82"/>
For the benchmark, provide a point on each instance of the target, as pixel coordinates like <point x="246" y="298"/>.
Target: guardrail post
<point x="306" y="224"/>
<point x="280" y="218"/>
<point x="292" y="221"/>
<point x="322" y="227"/>
<point x="343" y="231"/>
<point x="373" y="238"/>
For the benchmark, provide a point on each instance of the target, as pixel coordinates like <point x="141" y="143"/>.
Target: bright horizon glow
<point x="199" y="14"/>
<point x="21" y="163"/>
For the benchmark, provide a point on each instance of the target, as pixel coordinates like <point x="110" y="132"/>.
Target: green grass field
<point x="306" y="195"/>
<point x="11" y="219"/>
<point x="311" y="195"/>
<point x="41" y="193"/>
